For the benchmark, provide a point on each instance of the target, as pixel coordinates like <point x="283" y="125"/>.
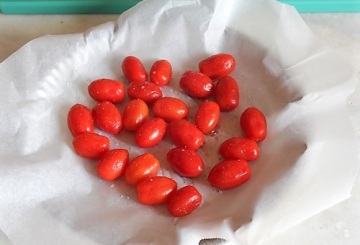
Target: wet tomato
<point x="112" y="164"/>
<point x="184" y="134"/>
<point x="170" y="109"/>
<point x="146" y="91"/>
<point x="253" y="124"/>
<point x="227" y="93"/>
<point x="107" y="90"/>
<point x="150" y="133"/>
<point x="239" y="148"/>
<point x="196" y="84"/>
<point x="161" y="72"/>
<point x="184" y="201"/>
<point x="133" y="69"/>
<point x="107" y="117"/>
<point x="136" y="112"/>
<point x="91" y="145"/>
<point x="140" y="168"/>
<point x="207" y="116"/>
<point x="80" y="120"/>
<point x="217" y="65"/>
<point x="229" y="174"/>
<point x="185" y="162"/>
<point x="155" y="190"/>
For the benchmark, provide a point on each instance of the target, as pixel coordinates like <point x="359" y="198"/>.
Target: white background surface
<point x="337" y="225"/>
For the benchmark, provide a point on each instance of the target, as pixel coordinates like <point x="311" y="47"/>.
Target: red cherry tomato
<point x="107" y="90"/>
<point x="185" y="162"/>
<point x="170" y="109"/>
<point x="239" y="148"/>
<point x="184" y="201"/>
<point x="229" y="174"/>
<point x="253" y="124"/>
<point x="196" y="84"/>
<point x="227" y="93"/>
<point x="133" y="69"/>
<point x="161" y="72"/>
<point x="185" y="134"/>
<point x="108" y="117"/>
<point x="217" y="65"/>
<point x="136" y="112"/>
<point x="140" y="168"/>
<point x="148" y="92"/>
<point x="91" y="145"/>
<point x="112" y="164"/>
<point x="150" y="133"/>
<point x="80" y="120"/>
<point x="207" y="116"/>
<point x="155" y="190"/>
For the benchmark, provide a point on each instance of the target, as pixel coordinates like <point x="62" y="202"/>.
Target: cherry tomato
<point x="170" y="109"/>
<point x="207" y="116"/>
<point x="112" y="164"/>
<point x="133" y="69"/>
<point x="196" y="84"/>
<point x="150" y="133"/>
<point x="91" y="145"/>
<point x="227" y="93"/>
<point x="108" y="117"/>
<point x="148" y="92"/>
<point x="136" y="112"/>
<point x="80" y="120"/>
<point x="185" y="134"/>
<point x="140" y="168"/>
<point x="217" y="65"/>
<point x="155" y="190"/>
<point x="239" y="148"/>
<point x="161" y="72"/>
<point x="229" y="174"/>
<point x="107" y="90"/>
<point x="253" y="124"/>
<point x="184" y="201"/>
<point x="185" y="162"/>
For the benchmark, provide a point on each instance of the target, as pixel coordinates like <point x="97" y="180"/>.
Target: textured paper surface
<point x="307" y="164"/>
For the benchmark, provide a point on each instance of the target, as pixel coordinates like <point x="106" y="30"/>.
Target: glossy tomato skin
<point x="133" y="69"/>
<point x="107" y="90"/>
<point x="196" y="84"/>
<point x="107" y="117"/>
<point x="91" y="145"/>
<point x="239" y="148"/>
<point x="253" y="123"/>
<point x="141" y="167"/>
<point x="184" y="134"/>
<point x="170" y="109"/>
<point x="146" y="91"/>
<point x="207" y="116"/>
<point x="155" y="190"/>
<point x="80" y="120"/>
<point x="136" y="112"/>
<point x="229" y="174"/>
<point x="218" y="65"/>
<point x="185" y="162"/>
<point x="184" y="201"/>
<point x="150" y="133"/>
<point x="227" y="93"/>
<point x="112" y="164"/>
<point x="161" y="72"/>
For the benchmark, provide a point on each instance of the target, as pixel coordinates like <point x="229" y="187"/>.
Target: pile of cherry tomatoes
<point x="170" y="116"/>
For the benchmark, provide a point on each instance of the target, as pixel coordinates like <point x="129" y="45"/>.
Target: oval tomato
<point x="197" y="84"/>
<point x="140" y="168"/>
<point x="161" y="72"/>
<point x="112" y="164"/>
<point x="253" y="124"/>
<point x="227" y="93"/>
<point x="185" y="162"/>
<point x="107" y="90"/>
<point x="80" y="120"/>
<point x="155" y="190"/>
<point x="170" y="109"/>
<point x="91" y="145"/>
<point x="136" y="112"/>
<point x="148" y="92"/>
<point x="150" y="133"/>
<point x="133" y="69"/>
<point x="239" y="148"/>
<point x="184" y="134"/>
<point x="217" y="65"/>
<point x="108" y="117"/>
<point x="184" y="201"/>
<point x="229" y="174"/>
<point x="207" y="116"/>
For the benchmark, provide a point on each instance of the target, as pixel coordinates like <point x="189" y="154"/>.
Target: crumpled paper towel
<point x="308" y="163"/>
